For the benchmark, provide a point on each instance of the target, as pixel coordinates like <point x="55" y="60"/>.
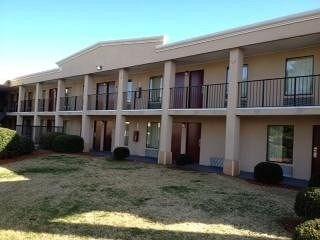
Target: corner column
<point x="60" y="93"/>
<point x="86" y="125"/>
<point x="165" y="154"/>
<point x="231" y="163"/>
<point x="120" y="119"/>
<point x="22" y="92"/>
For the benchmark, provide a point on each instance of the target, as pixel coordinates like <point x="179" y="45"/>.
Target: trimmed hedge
<point x="67" y="144"/>
<point x="183" y="159"/>
<point x="11" y="144"/>
<point x="309" y="230"/>
<point x="268" y="172"/>
<point x="46" y="140"/>
<point x="307" y="204"/>
<point x="314" y="181"/>
<point x="120" y="153"/>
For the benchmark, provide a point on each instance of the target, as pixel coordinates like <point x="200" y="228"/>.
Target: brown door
<point x="176" y="141"/>
<point x="111" y="96"/>
<point x="193" y="141"/>
<point x="52" y="99"/>
<point x="101" y="98"/>
<point x="178" y="95"/>
<point x="98" y="128"/>
<point x="316" y="150"/>
<point x="107" y="136"/>
<point x="195" y="89"/>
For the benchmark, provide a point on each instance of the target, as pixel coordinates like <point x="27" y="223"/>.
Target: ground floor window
<point x="126" y="134"/>
<point x="280" y="144"/>
<point x="153" y="135"/>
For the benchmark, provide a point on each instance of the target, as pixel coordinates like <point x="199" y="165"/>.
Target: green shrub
<point x="67" y="144"/>
<point x="314" y="181"/>
<point x="307" y="204"/>
<point x="268" y="172"/>
<point x="26" y="146"/>
<point x="11" y="144"/>
<point x="46" y="140"/>
<point x="309" y="230"/>
<point x="183" y="159"/>
<point x="120" y="153"/>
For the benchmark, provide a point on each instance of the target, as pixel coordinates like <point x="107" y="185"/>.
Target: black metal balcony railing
<point x="142" y="99"/>
<point x="105" y="101"/>
<point x="280" y="92"/>
<point x="29" y="131"/>
<point x="47" y="105"/>
<point x="27" y="106"/>
<point x="72" y="103"/>
<point x="12" y="107"/>
<point x="205" y="96"/>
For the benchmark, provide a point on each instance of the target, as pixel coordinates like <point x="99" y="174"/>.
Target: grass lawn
<point x="77" y="197"/>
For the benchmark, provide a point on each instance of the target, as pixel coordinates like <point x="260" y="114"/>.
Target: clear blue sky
<point x="34" y="34"/>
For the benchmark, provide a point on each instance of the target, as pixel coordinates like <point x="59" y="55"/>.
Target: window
<point x="243" y="86"/>
<point x="67" y="92"/>
<point x="153" y="135"/>
<point x="126" y="134"/>
<point x="129" y="90"/>
<point x="280" y="144"/>
<point x="298" y="79"/>
<point x="155" y="85"/>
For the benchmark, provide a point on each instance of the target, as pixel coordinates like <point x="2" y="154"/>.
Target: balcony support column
<point x="165" y="154"/>
<point x="60" y="93"/>
<point x="232" y="163"/>
<point x="37" y="97"/>
<point x="120" y="119"/>
<point x="21" y="95"/>
<point x="86" y="125"/>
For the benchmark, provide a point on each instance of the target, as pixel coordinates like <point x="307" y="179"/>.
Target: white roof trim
<point x="295" y="18"/>
<point x="110" y="43"/>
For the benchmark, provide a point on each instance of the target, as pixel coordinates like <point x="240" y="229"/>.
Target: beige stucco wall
<point x="273" y="65"/>
<point x="253" y="142"/>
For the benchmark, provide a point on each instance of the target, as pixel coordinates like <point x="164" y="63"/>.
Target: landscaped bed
<point x="78" y="197"/>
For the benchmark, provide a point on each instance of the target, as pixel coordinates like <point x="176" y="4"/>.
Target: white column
<point x="165" y="155"/>
<point x="37" y="97"/>
<point x="120" y="119"/>
<point x="231" y="163"/>
<point x="60" y="93"/>
<point x="22" y="92"/>
<point x="86" y="125"/>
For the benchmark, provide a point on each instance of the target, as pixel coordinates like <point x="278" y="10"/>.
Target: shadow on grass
<point x="73" y="193"/>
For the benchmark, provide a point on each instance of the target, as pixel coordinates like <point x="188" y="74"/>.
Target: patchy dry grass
<point x="71" y="197"/>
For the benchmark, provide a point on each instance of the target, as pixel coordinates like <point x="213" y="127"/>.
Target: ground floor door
<point x="193" y="141"/>
<point x="186" y="139"/>
<point x="176" y="141"/>
<point x="316" y="151"/>
<point x="102" y="137"/>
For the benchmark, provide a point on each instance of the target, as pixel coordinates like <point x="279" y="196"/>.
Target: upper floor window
<point x="243" y="86"/>
<point x="298" y="75"/>
<point x="67" y="92"/>
<point x="155" y="85"/>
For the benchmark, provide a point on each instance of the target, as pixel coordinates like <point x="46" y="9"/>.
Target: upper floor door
<point x="52" y="99"/>
<point x="195" y="89"/>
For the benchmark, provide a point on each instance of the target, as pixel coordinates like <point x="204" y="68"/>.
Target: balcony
<point x="142" y="99"/>
<point x="72" y="103"/>
<point x="12" y="107"/>
<point x="27" y="106"/>
<point x="105" y="101"/>
<point x="280" y="92"/>
<point x="47" y="105"/>
<point x="205" y="96"/>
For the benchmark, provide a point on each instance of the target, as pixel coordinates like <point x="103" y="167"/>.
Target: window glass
<point x="129" y="90"/>
<point x="243" y="86"/>
<point x="298" y="79"/>
<point x="153" y="135"/>
<point x="280" y="144"/>
<point x="67" y="92"/>
<point x="126" y="134"/>
<point x="155" y="85"/>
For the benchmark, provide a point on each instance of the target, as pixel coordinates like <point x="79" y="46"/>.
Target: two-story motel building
<point x="233" y="98"/>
